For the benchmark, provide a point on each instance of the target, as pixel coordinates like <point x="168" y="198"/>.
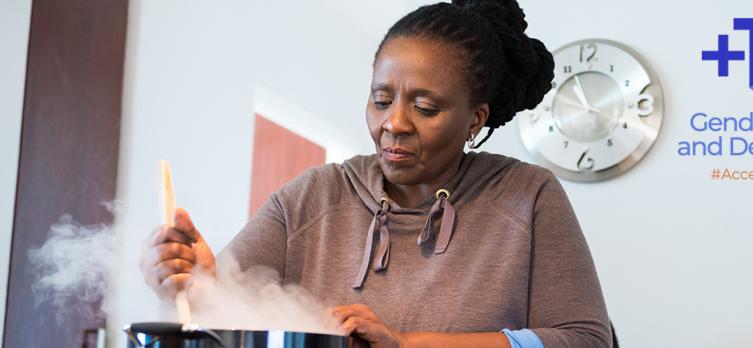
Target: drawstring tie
<point x="441" y="208"/>
<point x="446" y="211"/>
<point x="383" y="250"/>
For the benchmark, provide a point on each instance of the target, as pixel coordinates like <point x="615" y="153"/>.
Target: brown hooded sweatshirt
<point x="516" y="257"/>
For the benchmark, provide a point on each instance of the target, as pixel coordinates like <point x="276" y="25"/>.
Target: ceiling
<point x="374" y="17"/>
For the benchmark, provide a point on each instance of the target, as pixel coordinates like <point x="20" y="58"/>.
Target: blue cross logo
<point x="723" y="55"/>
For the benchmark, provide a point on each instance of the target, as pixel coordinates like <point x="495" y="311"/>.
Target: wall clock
<point x="602" y="115"/>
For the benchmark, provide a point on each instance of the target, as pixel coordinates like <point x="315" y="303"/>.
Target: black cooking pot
<point x="174" y="335"/>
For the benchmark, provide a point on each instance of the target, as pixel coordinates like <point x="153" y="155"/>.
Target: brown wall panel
<point x="279" y="156"/>
<point x="69" y="148"/>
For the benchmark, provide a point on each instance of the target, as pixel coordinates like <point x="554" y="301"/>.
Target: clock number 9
<point x="585" y="47"/>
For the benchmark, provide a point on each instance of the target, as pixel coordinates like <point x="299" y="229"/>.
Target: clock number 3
<point x="645" y="105"/>
<point x="587" y="51"/>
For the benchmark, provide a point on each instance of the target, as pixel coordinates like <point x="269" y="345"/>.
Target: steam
<point x="254" y="300"/>
<point x="73" y="266"/>
<point x="77" y="261"/>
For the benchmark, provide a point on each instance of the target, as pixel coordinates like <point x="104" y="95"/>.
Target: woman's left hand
<point x="359" y="319"/>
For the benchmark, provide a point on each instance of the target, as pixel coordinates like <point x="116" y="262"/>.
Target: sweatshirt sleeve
<point x="263" y="241"/>
<point x="566" y="307"/>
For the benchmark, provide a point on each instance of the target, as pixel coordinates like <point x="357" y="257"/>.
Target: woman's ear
<point x="480" y="115"/>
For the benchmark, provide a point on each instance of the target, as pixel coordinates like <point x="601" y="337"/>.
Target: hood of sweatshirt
<point x="476" y="171"/>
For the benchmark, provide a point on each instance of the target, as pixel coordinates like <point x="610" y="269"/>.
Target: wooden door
<point x="279" y="156"/>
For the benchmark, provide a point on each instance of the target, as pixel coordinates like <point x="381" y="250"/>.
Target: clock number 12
<point x="584" y="48"/>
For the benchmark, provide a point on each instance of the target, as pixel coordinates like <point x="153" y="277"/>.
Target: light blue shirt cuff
<point x="523" y="338"/>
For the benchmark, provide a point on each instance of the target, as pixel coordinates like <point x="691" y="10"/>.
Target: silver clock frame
<point x="651" y="132"/>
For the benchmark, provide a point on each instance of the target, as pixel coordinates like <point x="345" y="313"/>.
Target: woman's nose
<point x="398" y="122"/>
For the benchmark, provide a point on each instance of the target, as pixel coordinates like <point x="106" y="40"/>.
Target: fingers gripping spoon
<point x="167" y="197"/>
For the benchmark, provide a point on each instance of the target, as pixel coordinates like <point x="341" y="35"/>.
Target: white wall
<point x="195" y="72"/>
<point x="15" y="16"/>
<point x="671" y="246"/>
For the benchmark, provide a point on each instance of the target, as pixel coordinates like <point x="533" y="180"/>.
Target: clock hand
<point x="569" y="101"/>
<point x="578" y="89"/>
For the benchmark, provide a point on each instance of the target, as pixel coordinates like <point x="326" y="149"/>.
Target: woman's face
<point x="419" y="113"/>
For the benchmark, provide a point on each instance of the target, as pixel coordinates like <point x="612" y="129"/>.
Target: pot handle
<point x="158" y="330"/>
<point x="99" y="335"/>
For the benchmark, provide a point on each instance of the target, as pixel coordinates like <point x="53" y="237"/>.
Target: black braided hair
<point x="505" y="68"/>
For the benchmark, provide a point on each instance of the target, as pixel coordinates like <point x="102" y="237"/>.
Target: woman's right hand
<point x="172" y="254"/>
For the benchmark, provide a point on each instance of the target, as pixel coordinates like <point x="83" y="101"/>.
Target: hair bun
<point x="507" y="12"/>
<point x="542" y="71"/>
<point x="529" y="67"/>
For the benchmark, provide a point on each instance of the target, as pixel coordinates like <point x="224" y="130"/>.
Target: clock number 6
<point x="585" y="163"/>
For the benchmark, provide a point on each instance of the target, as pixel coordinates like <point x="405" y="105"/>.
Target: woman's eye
<point x="426" y="111"/>
<point x="381" y="105"/>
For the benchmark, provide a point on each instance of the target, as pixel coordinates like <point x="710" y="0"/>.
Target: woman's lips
<point x="395" y="154"/>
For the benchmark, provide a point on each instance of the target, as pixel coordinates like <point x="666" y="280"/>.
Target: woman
<point x="422" y="244"/>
